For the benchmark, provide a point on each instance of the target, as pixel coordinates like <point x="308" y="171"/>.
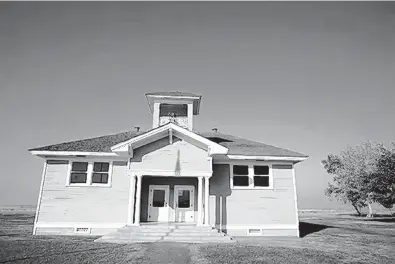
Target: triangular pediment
<point x="169" y="130"/>
<point x="180" y="158"/>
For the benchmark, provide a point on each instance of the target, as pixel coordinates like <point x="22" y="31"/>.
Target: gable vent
<point x="254" y="232"/>
<point x="82" y="230"/>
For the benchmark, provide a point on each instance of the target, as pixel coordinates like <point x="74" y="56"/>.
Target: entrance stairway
<point x="172" y="232"/>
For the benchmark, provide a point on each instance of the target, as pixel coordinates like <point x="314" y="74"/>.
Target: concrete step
<point x="170" y="226"/>
<point x="171" y="236"/>
<point x="165" y="239"/>
<point x="192" y="227"/>
<point x="152" y="234"/>
<point x="138" y="231"/>
<point x="162" y="234"/>
<point x="166" y="233"/>
<point x="192" y="230"/>
<point x="204" y="234"/>
<point x="137" y="238"/>
<point x="144" y="230"/>
<point x="196" y="239"/>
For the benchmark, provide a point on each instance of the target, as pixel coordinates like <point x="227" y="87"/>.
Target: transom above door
<point x="184" y="203"/>
<point x="158" y="203"/>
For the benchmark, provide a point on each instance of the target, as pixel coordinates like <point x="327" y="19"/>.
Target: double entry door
<point x="182" y="208"/>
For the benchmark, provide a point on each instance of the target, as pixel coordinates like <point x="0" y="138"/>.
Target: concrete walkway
<point x="163" y="253"/>
<point x="165" y="233"/>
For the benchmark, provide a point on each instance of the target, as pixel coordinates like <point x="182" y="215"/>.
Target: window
<point x="251" y="176"/>
<point x="184" y="199"/>
<point x="158" y="199"/>
<point x="177" y="109"/>
<point x="89" y="173"/>
<point x="100" y="172"/>
<point x="79" y="172"/>
<point x="261" y="176"/>
<point x="240" y="175"/>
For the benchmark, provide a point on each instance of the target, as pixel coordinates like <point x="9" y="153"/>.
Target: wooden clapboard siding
<point x="253" y="206"/>
<point x="179" y="156"/>
<point x="61" y="203"/>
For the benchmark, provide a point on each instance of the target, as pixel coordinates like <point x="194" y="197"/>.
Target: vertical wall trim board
<point x="296" y="199"/>
<point x="39" y="196"/>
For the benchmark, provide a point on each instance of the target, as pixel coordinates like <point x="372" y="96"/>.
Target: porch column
<point x="206" y="195"/>
<point x="131" y="198"/>
<point x="200" y="200"/>
<point x="138" y="200"/>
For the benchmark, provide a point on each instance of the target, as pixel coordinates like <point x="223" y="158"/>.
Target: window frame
<point x="89" y="172"/>
<point x="251" y="175"/>
<point x="180" y="105"/>
<point x="261" y="175"/>
<point x="79" y="171"/>
<point x="241" y="175"/>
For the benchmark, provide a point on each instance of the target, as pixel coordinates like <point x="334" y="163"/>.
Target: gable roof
<point x="236" y="145"/>
<point x="135" y="142"/>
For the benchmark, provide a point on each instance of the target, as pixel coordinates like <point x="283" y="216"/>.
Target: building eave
<point x="72" y="153"/>
<point x="196" y="100"/>
<point x="268" y="158"/>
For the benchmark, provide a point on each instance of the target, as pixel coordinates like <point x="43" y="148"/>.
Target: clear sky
<point x="311" y="77"/>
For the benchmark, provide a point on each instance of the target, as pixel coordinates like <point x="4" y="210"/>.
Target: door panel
<point x="158" y="203"/>
<point x="184" y="203"/>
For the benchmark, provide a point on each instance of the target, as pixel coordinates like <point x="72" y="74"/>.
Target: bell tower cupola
<point x="176" y="107"/>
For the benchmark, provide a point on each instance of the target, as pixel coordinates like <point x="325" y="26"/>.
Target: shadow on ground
<point x="386" y="220"/>
<point x="309" y="228"/>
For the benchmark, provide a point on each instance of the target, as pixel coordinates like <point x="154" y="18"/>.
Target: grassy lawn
<point x="326" y="239"/>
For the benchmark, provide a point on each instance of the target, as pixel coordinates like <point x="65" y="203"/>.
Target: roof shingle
<point x="236" y="145"/>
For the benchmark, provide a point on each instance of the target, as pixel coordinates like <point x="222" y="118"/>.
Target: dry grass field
<point x="326" y="238"/>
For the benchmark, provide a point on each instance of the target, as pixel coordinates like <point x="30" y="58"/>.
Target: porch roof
<point x="236" y="145"/>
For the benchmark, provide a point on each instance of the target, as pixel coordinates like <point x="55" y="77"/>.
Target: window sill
<point x="251" y="188"/>
<point x="91" y="185"/>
